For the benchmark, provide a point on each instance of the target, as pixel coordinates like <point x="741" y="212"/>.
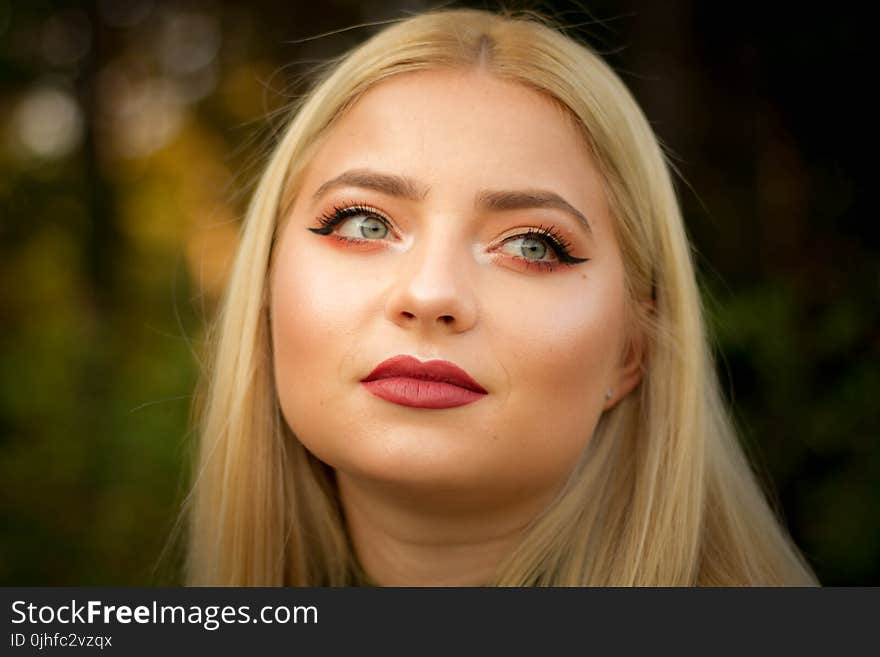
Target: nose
<point x="433" y="288"/>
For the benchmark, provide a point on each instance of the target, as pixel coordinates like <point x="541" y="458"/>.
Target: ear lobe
<point x="632" y="366"/>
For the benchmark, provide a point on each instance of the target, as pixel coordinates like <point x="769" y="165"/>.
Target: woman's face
<point x="448" y="172"/>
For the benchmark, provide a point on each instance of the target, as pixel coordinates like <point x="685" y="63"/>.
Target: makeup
<point x="407" y="381"/>
<point x="419" y="393"/>
<point x="468" y="270"/>
<point x="542" y="240"/>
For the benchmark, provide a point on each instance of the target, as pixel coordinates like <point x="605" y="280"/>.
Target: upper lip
<point x="433" y="370"/>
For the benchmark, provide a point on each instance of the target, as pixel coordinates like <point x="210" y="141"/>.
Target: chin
<point x="411" y="459"/>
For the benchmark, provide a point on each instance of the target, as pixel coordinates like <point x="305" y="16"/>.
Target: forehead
<point x="462" y="99"/>
<point x="466" y="128"/>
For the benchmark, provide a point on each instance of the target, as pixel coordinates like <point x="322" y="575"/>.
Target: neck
<point x="402" y="540"/>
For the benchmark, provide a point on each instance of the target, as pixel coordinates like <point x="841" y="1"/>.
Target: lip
<point x="407" y="381"/>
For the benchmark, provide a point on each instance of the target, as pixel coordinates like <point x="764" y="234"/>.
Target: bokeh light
<point x="47" y="123"/>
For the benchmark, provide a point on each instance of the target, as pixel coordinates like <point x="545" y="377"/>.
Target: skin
<point x="439" y="497"/>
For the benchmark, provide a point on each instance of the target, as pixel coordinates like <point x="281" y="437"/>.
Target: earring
<point x="608" y="394"/>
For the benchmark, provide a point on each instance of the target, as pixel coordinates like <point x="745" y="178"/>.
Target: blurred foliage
<point x="132" y="132"/>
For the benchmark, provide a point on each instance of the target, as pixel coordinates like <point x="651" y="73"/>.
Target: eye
<point x="530" y="248"/>
<point x="360" y="224"/>
<point x="533" y="247"/>
<point x="363" y="226"/>
<point x="357" y="224"/>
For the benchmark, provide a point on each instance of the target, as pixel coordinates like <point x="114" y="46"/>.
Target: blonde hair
<point x="663" y="494"/>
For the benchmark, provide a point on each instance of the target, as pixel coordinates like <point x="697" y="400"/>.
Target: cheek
<point x="320" y="304"/>
<point x="566" y="347"/>
<point x="310" y="298"/>
<point x="559" y="351"/>
<point x="317" y="315"/>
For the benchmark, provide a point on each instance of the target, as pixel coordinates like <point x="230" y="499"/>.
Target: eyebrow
<point x="407" y="188"/>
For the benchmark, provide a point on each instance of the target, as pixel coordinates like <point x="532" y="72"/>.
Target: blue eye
<point x="369" y="225"/>
<point x="529" y="248"/>
<point x="534" y="244"/>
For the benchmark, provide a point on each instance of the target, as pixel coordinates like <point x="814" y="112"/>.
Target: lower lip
<point x="419" y="393"/>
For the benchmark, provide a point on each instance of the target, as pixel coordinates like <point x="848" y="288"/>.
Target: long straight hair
<point x="662" y="495"/>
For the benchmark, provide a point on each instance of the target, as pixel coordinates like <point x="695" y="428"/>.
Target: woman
<point x="462" y="342"/>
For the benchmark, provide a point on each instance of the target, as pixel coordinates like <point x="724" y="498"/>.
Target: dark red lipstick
<point x="407" y="381"/>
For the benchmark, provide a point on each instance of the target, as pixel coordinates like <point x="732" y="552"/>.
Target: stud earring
<point x="608" y="394"/>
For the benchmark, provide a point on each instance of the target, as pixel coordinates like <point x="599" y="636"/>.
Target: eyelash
<point x="549" y="235"/>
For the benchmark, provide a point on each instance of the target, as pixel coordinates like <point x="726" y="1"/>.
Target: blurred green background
<point x="132" y="131"/>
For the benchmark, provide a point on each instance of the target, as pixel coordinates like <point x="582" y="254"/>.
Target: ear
<point x="632" y="366"/>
